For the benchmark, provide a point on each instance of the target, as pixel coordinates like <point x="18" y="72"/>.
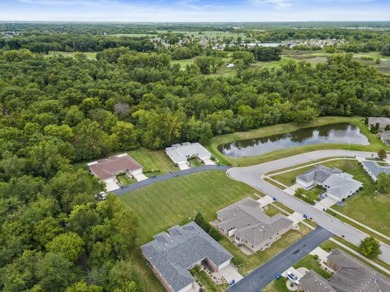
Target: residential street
<point x="252" y="176"/>
<point x="260" y="277"/>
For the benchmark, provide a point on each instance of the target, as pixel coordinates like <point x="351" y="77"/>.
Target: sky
<point x="194" y="10"/>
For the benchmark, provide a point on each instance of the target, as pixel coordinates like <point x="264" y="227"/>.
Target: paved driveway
<point x="259" y="278"/>
<point x="252" y="176"/>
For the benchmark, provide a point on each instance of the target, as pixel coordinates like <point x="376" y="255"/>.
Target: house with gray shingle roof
<point x="247" y="225"/>
<point x="351" y="275"/>
<point x="337" y="184"/>
<point x="374" y="169"/>
<point x="171" y="255"/>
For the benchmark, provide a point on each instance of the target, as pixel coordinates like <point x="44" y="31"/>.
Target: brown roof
<point x="108" y="167"/>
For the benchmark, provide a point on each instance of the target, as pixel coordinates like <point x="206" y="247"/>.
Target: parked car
<point x="292" y="276"/>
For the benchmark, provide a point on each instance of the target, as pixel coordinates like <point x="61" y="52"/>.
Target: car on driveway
<point x="291" y="276"/>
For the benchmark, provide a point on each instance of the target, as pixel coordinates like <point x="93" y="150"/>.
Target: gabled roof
<point x="338" y="183"/>
<point x="108" y="167"/>
<point x="318" y="174"/>
<point x="173" y="253"/>
<point x="181" y="152"/>
<point x="250" y="223"/>
<point x="342" y="186"/>
<point x="315" y="283"/>
<point x="375" y="168"/>
<point x="351" y="276"/>
<point x="382" y="121"/>
<point x="354" y="275"/>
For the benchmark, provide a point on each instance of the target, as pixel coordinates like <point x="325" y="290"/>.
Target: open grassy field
<point x="311" y="263"/>
<point x="277" y="286"/>
<point x="375" y="143"/>
<point x="153" y="162"/>
<point x="177" y="201"/>
<point x="90" y="55"/>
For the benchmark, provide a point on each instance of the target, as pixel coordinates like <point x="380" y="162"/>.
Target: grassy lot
<point x="249" y="263"/>
<point x="125" y="180"/>
<point x="311" y="263"/>
<point x="90" y="55"/>
<point x="277" y="286"/>
<point x="208" y="283"/>
<point x="179" y="200"/>
<point x="153" y="162"/>
<point x="272" y="211"/>
<point x="375" y="143"/>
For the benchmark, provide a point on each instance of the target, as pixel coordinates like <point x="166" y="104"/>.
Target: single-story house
<point x="385" y="137"/>
<point x="381" y="121"/>
<point x="247" y="225"/>
<point x="180" y="153"/>
<point x="374" y="169"/>
<point x="108" y="168"/>
<point x="351" y="275"/>
<point x="338" y="185"/>
<point x="171" y="255"/>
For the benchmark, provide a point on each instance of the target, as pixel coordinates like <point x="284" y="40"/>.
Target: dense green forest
<point x="56" y="111"/>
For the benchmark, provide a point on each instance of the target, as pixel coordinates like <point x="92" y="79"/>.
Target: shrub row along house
<point x="107" y="169"/>
<point x="374" y="169"/>
<point x="351" y="275"/>
<point x="381" y="125"/>
<point x="337" y="184"/>
<point x="180" y="153"/>
<point x="171" y="255"/>
<point x="247" y="225"/>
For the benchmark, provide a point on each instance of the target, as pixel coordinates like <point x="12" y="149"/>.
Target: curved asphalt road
<point x="168" y="176"/>
<point x="252" y="176"/>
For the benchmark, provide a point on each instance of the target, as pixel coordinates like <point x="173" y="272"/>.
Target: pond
<point x="342" y="133"/>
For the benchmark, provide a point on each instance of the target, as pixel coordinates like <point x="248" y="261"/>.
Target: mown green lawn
<point x="177" y="201"/>
<point x="208" y="283"/>
<point x="310" y="263"/>
<point x="277" y="286"/>
<point x="375" y="143"/>
<point x="153" y="162"/>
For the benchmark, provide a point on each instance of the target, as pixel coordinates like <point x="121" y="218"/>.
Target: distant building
<point x="338" y="185"/>
<point x="381" y="121"/>
<point x="351" y="275"/>
<point x="171" y="255"/>
<point x="247" y="225"/>
<point x="108" y="168"/>
<point x="385" y="137"/>
<point x="180" y="153"/>
<point x="374" y="169"/>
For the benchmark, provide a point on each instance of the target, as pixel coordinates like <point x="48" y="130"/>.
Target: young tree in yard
<point x="382" y="154"/>
<point x="370" y="247"/>
<point x="383" y="184"/>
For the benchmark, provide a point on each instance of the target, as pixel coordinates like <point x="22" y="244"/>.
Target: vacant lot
<point x="177" y="201"/>
<point x="153" y="162"/>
